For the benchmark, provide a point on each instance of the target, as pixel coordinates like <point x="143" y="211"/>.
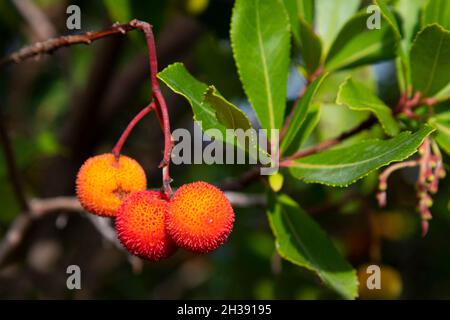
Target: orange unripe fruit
<point x="200" y="217"/>
<point x="140" y="225"/>
<point x="103" y="183"/>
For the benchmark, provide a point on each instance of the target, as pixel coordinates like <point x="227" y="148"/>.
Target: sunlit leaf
<point x="357" y="45"/>
<point x="216" y="112"/>
<point x="344" y="166"/>
<point x="436" y="11"/>
<point x="430" y="65"/>
<point x="331" y="15"/>
<point x="260" y="40"/>
<point x="358" y="97"/>
<point x="442" y="124"/>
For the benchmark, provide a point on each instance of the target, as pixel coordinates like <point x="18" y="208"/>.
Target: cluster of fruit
<point x="197" y="217"/>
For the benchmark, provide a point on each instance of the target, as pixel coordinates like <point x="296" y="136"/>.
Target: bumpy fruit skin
<point x="103" y="183"/>
<point x="140" y="225"/>
<point x="200" y="217"/>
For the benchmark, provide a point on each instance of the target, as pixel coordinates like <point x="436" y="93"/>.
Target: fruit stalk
<point x="118" y="147"/>
<point x="162" y="112"/>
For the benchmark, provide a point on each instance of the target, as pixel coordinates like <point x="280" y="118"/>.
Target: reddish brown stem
<point x="286" y="162"/>
<point x="118" y="147"/>
<point x="406" y="105"/>
<point x="166" y="126"/>
<point x="309" y="151"/>
<point x="168" y="144"/>
<point x="427" y="181"/>
<point x="49" y="46"/>
<point x="397" y="166"/>
<point x="162" y="112"/>
<point x="153" y="60"/>
<point x="383" y="177"/>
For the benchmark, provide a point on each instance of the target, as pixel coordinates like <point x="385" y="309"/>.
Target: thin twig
<point x="237" y="183"/>
<point x="327" y="143"/>
<point x="118" y="147"/>
<point x="14" y="236"/>
<point x="244" y="200"/>
<point x="40" y="208"/>
<point x="309" y="151"/>
<point x="107" y="231"/>
<point x="50" y="45"/>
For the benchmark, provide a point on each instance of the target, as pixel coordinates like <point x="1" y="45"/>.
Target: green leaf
<point x="430" y="63"/>
<point x="344" y="166"/>
<point x="293" y="12"/>
<point x="293" y="132"/>
<point x="300" y="240"/>
<point x="358" y="97"/>
<point x="357" y="45"/>
<point x="409" y="11"/>
<point x="331" y="16"/>
<point x="409" y="14"/>
<point x="310" y="47"/>
<point x="220" y="115"/>
<point x="335" y="120"/>
<point x="441" y="123"/>
<point x="402" y="61"/>
<point x="311" y="121"/>
<point x="260" y="40"/>
<point x="389" y="16"/>
<point x="118" y="10"/>
<point x="443" y="138"/>
<point x="304" y="37"/>
<point x="209" y="49"/>
<point x="444" y="94"/>
<point x="306" y="10"/>
<point x="436" y="11"/>
<point x="177" y="78"/>
<point x="227" y="113"/>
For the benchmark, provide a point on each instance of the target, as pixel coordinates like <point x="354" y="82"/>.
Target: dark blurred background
<point x="63" y="108"/>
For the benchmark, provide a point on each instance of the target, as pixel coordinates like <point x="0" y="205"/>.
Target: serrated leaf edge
<point x="367" y="173"/>
<point x="339" y="102"/>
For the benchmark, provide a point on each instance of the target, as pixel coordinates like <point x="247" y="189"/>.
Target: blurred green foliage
<point x="39" y="99"/>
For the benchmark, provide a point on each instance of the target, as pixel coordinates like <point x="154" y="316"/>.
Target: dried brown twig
<point x="40" y="208"/>
<point x="37" y="209"/>
<point x="49" y="46"/>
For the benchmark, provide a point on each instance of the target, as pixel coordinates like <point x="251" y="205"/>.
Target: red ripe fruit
<point x="200" y="217"/>
<point x="140" y="225"/>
